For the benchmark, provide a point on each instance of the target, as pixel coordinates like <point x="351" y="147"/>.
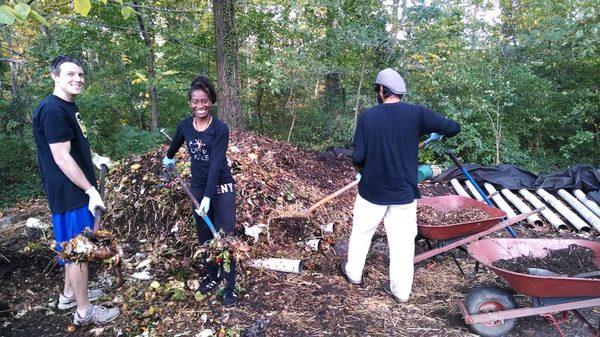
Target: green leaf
<point x="6" y="15"/>
<point x="83" y="6"/>
<point x="198" y="296"/>
<point x="22" y="10"/>
<point x="40" y="18"/>
<point x="127" y="11"/>
<point x="104" y="1"/>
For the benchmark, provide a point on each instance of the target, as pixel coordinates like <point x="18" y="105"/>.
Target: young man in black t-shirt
<point x="67" y="172"/>
<point x="386" y="150"/>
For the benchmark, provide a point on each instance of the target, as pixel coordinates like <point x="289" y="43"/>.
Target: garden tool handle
<point x="454" y="159"/>
<point x="210" y="225"/>
<point x="196" y="203"/>
<point x="331" y="196"/>
<point x="98" y="211"/>
<point x="479" y="190"/>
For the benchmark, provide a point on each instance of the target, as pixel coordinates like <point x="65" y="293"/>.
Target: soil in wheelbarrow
<point x="569" y="261"/>
<point x="429" y="216"/>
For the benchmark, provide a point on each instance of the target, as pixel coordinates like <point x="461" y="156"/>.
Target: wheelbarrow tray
<point x="487" y="251"/>
<point x="447" y="203"/>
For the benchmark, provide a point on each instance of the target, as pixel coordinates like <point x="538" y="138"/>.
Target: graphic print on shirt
<point x="198" y="149"/>
<point x="81" y="125"/>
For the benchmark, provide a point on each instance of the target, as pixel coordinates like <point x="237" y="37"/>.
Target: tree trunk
<point x="149" y="42"/>
<point x="360" y="82"/>
<point x="228" y="107"/>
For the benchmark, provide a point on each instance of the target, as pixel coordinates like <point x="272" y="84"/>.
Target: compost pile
<point x="272" y="180"/>
<point x="151" y="216"/>
<point x="569" y="261"/>
<point x="429" y="216"/>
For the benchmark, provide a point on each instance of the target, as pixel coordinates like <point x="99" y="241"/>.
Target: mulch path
<point x="273" y="180"/>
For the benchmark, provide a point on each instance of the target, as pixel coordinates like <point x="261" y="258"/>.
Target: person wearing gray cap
<point x="386" y="144"/>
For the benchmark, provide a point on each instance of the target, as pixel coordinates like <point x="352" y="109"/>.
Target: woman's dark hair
<point x="60" y="59"/>
<point x="204" y="84"/>
<point x="386" y="91"/>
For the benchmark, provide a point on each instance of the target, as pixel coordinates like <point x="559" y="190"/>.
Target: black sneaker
<point x="208" y="284"/>
<point x="230" y="298"/>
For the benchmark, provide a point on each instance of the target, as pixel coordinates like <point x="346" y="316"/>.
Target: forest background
<point x="521" y="76"/>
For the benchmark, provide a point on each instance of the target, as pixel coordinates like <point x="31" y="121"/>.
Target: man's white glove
<point x="204" y="206"/>
<point x="99" y="160"/>
<point x="95" y="200"/>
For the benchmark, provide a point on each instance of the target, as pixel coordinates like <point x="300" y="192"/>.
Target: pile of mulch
<point x="430" y="216"/>
<point x="569" y="261"/>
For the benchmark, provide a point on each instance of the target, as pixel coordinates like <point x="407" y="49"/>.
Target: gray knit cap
<point x="390" y="78"/>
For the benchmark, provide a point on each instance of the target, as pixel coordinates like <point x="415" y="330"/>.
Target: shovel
<point x="98" y="211"/>
<point x="196" y="204"/>
<point x="320" y="203"/>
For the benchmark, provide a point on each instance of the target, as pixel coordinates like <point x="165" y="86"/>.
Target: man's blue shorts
<point x="70" y="224"/>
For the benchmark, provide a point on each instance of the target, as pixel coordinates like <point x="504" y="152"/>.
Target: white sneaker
<point x="68" y="302"/>
<point x="97" y="314"/>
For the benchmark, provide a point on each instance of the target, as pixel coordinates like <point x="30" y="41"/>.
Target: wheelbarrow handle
<point x="98" y="211"/>
<point x="195" y="202"/>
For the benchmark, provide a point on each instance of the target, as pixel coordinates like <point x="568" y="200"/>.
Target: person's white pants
<point x="401" y="226"/>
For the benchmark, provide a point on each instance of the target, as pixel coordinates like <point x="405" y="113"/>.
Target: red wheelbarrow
<point x="446" y="234"/>
<point x="492" y="312"/>
<point x="447" y="203"/>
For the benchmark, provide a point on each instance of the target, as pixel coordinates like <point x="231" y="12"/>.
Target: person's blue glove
<point x="168" y="162"/>
<point x="204" y="206"/>
<point x="358" y="176"/>
<point x="432" y="137"/>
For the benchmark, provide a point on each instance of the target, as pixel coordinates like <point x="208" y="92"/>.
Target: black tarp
<point x="583" y="177"/>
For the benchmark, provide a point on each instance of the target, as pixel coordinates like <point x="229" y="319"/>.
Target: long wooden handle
<point x="98" y="211"/>
<point x="331" y="196"/>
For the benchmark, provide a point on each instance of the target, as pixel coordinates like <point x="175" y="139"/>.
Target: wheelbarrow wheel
<point x="489" y="299"/>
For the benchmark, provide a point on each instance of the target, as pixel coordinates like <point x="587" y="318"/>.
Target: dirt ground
<point x="318" y="302"/>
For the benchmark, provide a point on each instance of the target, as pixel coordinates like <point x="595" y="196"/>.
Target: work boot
<point x="230" y="297"/>
<point x="68" y="302"/>
<point x="97" y="314"/>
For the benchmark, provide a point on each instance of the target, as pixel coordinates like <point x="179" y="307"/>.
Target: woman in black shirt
<point x="211" y="181"/>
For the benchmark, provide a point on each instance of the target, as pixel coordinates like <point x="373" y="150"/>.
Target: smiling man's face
<point x="68" y="82"/>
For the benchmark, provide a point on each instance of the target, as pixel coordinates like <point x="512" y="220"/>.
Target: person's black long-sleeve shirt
<point x="386" y="147"/>
<point x="207" y="151"/>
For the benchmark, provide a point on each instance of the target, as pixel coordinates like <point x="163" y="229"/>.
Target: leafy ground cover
<point x="155" y="285"/>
